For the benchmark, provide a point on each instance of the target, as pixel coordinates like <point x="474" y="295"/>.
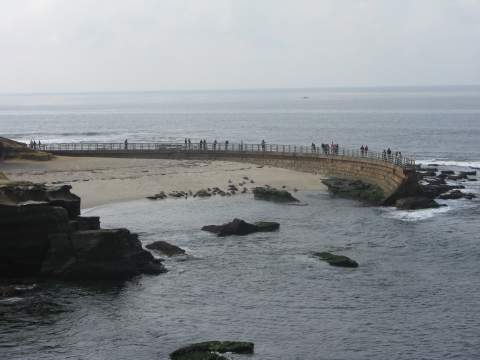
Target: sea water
<point x="415" y="294"/>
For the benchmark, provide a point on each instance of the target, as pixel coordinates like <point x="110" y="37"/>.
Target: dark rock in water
<point x="41" y="234"/>
<point x="457" y="177"/>
<point x="205" y="350"/>
<point x="355" y="189"/>
<point x="16" y="290"/>
<point x="336" y="260"/>
<point x="434" y="190"/>
<point x="99" y="254"/>
<point x="240" y="227"/>
<point x="165" y="248"/>
<point x="468" y="173"/>
<point x="272" y="194"/>
<point x="469" y="196"/>
<point x="448" y="172"/>
<point x="452" y="194"/>
<point x="267" y="226"/>
<point x="160" y="196"/>
<point x="426" y="172"/>
<point x="416" y="203"/>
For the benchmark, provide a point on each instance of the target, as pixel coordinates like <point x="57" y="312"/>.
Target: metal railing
<point x="297" y="150"/>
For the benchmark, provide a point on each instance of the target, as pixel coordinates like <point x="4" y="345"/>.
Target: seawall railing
<point x="395" y="158"/>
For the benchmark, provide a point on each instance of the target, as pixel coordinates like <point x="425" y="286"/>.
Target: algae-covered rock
<point x="267" y="226"/>
<point x="355" y="189"/>
<point x="272" y="194"/>
<point x="209" y="350"/>
<point x="336" y="260"/>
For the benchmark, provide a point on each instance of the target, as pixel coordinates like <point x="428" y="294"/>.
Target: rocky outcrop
<point x="42" y="234"/>
<point x="10" y="149"/>
<point x="165" y="248"/>
<point x="336" y="260"/>
<point x="416" y="203"/>
<point x="209" y="350"/>
<point x="241" y="227"/>
<point x="355" y="189"/>
<point x="272" y="194"/>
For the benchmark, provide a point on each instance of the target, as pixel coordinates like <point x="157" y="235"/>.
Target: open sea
<point x="415" y="294"/>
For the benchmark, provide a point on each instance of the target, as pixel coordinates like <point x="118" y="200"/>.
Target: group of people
<point x="388" y="155"/>
<point x="203" y="145"/>
<point x="35" y="145"/>
<point x="364" y="150"/>
<point x="327" y="149"/>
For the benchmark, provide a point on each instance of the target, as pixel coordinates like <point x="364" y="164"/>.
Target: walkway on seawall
<point x="393" y="174"/>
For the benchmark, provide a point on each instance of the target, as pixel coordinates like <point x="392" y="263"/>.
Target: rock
<point x="16" y="290"/>
<point x="469" y="196"/>
<point x="452" y="194"/>
<point x="99" y="254"/>
<point x="355" y="189"/>
<point x="468" y="173"/>
<point x="457" y="177"/>
<point x="447" y="172"/>
<point x="415" y="203"/>
<point x="434" y="190"/>
<point x="165" y="248"/>
<point x="240" y="227"/>
<point x="272" y="194"/>
<point x="59" y="195"/>
<point x="205" y="350"/>
<point x="41" y="234"/>
<point x="266" y="226"/>
<point x="336" y="260"/>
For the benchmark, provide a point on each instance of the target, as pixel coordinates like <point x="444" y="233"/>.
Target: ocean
<point x="415" y="294"/>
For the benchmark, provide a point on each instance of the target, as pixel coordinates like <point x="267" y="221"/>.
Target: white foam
<point x="466" y="163"/>
<point x="414" y="215"/>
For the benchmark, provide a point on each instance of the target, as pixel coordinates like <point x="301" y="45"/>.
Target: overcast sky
<point x="97" y="45"/>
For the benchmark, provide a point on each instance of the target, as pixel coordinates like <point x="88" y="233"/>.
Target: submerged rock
<point x="272" y="194"/>
<point x="209" y="350"/>
<point x="165" y="248"/>
<point x="241" y="227"/>
<point x="416" y="203"/>
<point x="202" y="193"/>
<point x="336" y="260"/>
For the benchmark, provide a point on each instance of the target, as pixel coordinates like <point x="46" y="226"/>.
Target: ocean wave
<point x="474" y="164"/>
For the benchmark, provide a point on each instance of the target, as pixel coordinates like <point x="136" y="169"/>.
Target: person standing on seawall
<point x="125" y="143"/>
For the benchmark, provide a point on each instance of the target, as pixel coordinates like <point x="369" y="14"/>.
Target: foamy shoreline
<point x="101" y="181"/>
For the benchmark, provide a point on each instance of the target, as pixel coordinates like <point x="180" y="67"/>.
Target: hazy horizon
<point x="52" y="46"/>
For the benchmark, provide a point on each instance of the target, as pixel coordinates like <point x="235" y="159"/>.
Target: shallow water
<point x="414" y="295"/>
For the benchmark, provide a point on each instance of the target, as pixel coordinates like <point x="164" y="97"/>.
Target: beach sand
<point x="100" y="181"/>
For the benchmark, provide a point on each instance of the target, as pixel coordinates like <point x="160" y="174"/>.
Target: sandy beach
<point x="100" y="181"/>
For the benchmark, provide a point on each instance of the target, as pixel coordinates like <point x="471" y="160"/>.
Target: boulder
<point x="415" y="203"/>
<point x="272" y="194"/>
<point x="99" y="254"/>
<point x="355" y="189"/>
<point x="241" y="227"/>
<point x="434" y="190"/>
<point x="452" y="194"/>
<point x="336" y="260"/>
<point x="209" y="350"/>
<point x="165" y="248"/>
<point x="447" y="172"/>
<point x="468" y="173"/>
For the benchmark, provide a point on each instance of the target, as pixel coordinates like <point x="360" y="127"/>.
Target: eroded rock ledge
<point x="43" y="234"/>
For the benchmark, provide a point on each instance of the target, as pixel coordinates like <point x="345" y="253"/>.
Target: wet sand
<point x="100" y="181"/>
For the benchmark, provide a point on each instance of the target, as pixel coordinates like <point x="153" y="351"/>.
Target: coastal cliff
<point x="43" y="234"/>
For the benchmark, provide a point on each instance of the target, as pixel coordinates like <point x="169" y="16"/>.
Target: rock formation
<point x="209" y="350"/>
<point x="165" y="248"/>
<point x="241" y="227"/>
<point x="272" y="194"/>
<point x="43" y="234"/>
<point x="336" y="260"/>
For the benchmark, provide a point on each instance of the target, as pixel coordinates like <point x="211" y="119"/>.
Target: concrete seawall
<point x="394" y="180"/>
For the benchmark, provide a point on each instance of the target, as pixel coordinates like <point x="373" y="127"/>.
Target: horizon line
<point x="342" y="87"/>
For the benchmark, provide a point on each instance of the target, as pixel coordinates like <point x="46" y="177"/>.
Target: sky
<point x="145" y="45"/>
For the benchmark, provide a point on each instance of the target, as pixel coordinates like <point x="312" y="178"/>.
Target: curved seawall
<point x="392" y="177"/>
